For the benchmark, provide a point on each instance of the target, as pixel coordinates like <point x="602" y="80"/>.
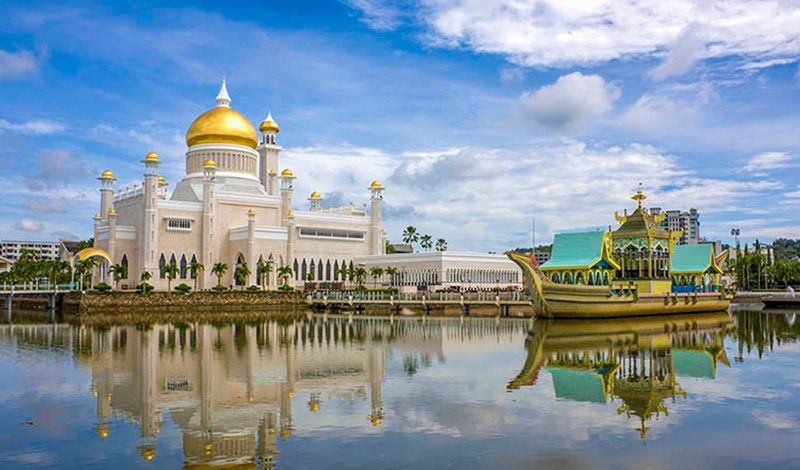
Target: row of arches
<point x="183" y="265"/>
<point x="595" y="277"/>
<point x="644" y="262"/>
<point x="482" y="276"/>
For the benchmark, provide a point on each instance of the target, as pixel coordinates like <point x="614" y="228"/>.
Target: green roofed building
<point x="581" y="258"/>
<point x="694" y="267"/>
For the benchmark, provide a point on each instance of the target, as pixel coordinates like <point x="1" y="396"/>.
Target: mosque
<point x="233" y="206"/>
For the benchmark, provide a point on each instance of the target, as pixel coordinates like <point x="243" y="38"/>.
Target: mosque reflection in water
<point x="230" y="389"/>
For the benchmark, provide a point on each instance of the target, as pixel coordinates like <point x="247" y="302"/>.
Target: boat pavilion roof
<point x="694" y="259"/>
<point x="581" y="250"/>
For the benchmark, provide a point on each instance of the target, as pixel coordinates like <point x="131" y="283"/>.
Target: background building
<point x="676" y="220"/>
<point x="11" y="249"/>
<point x="445" y="269"/>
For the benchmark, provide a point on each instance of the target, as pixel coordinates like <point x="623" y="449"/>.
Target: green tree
<point x="359" y="274"/>
<point x="426" y="242"/>
<point x="170" y="271"/>
<point x="376" y="272"/>
<point x="263" y="269"/>
<point x="284" y="273"/>
<point x="410" y="235"/>
<point x="195" y="269"/>
<point x="241" y="273"/>
<point x="219" y="270"/>
<point x="441" y="244"/>
<point x="391" y="271"/>
<point x="118" y="272"/>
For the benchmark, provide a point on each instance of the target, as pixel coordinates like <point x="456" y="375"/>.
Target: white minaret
<point x="251" y="246"/>
<point x="376" y="243"/>
<point x="287" y="186"/>
<point x="106" y="192"/>
<point x="149" y="245"/>
<point x="315" y="202"/>
<point x="209" y="211"/>
<point x="268" y="151"/>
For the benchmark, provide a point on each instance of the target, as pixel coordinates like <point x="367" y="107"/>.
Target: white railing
<point x="450" y="297"/>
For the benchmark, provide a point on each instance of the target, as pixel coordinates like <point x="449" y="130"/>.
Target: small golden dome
<point x="290" y="214"/>
<point x="315" y="195"/>
<point x="314" y="406"/>
<point x="269" y="125"/>
<point x="161" y="180"/>
<point x="148" y="452"/>
<point x="287" y="173"/>
<point x="376" y="421"/>
<point x="251" y="212"/>
<point x="98" y="217"/>
<point x="108" y="174"/>
<point x="376" y="184"/>
<point x="222" y="125"/>
<point x="209" y="164"/>
<point x="112" y="212"/>
<point x="285" y="432"/>
<point x="152" y="157"/>
<point x="272" y="172"/>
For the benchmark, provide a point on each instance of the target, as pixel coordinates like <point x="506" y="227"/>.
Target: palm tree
<point x="410" y="235"/>
<point x="284" y="273"/>
<point x="119" y="272"/>
<point x="170" y="271"/>
<point x="241" y="274"/>
<point x="343" y="273"/>
<point x="195" y="269"/>
<point x="426" y="242"/>
<point x="359" y="274"/>
<point x="391" y="271"/>
<point x="262" y="272"/>
<point x="441" y="244"/>
<point x="146" y="276"/>
<point x="219" y="270"/>
<point x="376" y="272"/>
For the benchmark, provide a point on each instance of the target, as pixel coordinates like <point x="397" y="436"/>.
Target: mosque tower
<point x="268" y="151"/>
<point x="150" y="226"/>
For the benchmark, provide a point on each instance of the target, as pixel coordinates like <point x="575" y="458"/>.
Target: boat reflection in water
<point x="634" y="361"/>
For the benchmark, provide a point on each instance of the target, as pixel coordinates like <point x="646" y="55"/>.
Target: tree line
<point x="426" y="242"/>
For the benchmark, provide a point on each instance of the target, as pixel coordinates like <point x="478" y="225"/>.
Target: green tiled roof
<point x="637" y="225"/>
<point x="694" y="259"/>
<point x="581" y="249"/>
<point x="690" y="363"/>
<point x="578" y="385"/>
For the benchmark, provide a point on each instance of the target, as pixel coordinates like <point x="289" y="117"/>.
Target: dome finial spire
<point x="223" y="98"/>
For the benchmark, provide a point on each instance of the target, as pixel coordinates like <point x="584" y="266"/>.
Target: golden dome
<point x="290" y="214"/>
<point x="152" y="157"/>
<point x="269" y="125"/>
<point x="251" y="212"/>
<point x="209" y="164"/>
<point x="162" y="180"/>
<point x="272" y="172"/>
<point x="376" y="184"/>
<point x="98" y="217"/>
<point x="313" y="406"/>
<point x="148" y="452"/>
<point x="107" y="174"/>
<point x="102" y="430"/>
<point x="112" y="212"/>
<point x="315" y="195"/>
<point x="287" y="173"/>
<point x="222" y="125"/>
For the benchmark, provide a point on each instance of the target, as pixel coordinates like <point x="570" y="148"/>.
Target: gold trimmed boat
<point x="637" y="270"/>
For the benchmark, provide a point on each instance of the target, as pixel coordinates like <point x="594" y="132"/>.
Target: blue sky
<point x="476" y="115"/>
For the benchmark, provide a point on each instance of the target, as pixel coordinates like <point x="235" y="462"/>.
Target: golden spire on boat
<point x="639" y="196"/>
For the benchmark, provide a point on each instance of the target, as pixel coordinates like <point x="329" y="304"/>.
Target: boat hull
<point x="553" y="300"/>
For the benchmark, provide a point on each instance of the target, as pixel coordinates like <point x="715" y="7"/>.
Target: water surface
<point x="704" y="391"/>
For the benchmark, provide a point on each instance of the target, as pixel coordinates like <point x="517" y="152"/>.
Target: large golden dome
<point x="222" y="125"/>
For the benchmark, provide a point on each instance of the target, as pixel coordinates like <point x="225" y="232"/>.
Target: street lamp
<point x="735" y="234"/>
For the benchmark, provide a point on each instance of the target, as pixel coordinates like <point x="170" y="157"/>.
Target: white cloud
<point x="380" y="15"/>
<point x="571" y="102"/>
<point x="17" y="64"/>
<point x="683" y="53"/>
<point x="557" y="33"/>
<point x="29" y="225"/>
<point x="465" y="194"/>
<point x="776" y="420"/>
<point x="668" y="110"/>
<point x="37" y="127"/>
<point x="769" y="161"/>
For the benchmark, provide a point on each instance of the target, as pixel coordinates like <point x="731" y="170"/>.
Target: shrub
<point x="183" y="288"/>
<point x="219" y="288"/>
<point x="102" y="287"/>
<point x="253" y="288"/>
<point x="144" y="287"/>
<point x="286" y="288"/>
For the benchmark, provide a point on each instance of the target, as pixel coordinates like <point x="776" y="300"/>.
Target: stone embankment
<point x="122" y="303"/>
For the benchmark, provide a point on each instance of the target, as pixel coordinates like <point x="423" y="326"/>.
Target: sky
<point x="477" y="116"/>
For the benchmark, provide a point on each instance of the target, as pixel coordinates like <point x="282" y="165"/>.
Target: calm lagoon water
<point x="708" y="391"/>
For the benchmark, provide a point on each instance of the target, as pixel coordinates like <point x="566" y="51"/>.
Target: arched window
<point x="183" y="266"/>
<point x="579" y="279"/>
<point x="162" y="261"/>
<point x="193" y="262"/>
<point x="336" y="270"/>
<point x="328" y="270"/>
<point x="554" y="277"/>
<point x="320" y="270"/>
<point x="295" y="269"/>
<point x="124" y="263"/>
<point x="304" y="270"/>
